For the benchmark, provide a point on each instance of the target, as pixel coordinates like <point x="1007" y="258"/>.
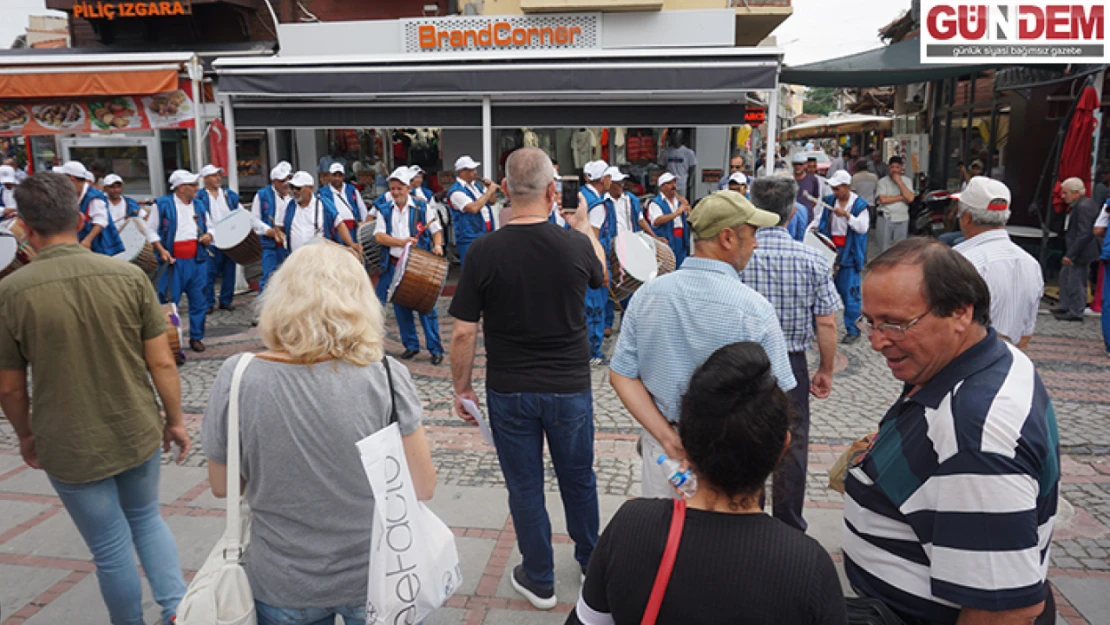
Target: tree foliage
<point x="819" y="101"/>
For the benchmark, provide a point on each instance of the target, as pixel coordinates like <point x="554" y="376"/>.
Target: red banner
<point x="174" y="109"/>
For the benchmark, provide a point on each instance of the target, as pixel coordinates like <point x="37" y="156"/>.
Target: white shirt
<point x="557" y="210"/>
<point x="8" y="196"/>
<point x="259" y="226"/>
<point x="218" y="206"/>
<point x="898" y="211"/>
<point x="655" y="212"/>
<point x="308" y="222"/>
<point x="400" y="224"/>
<point x="838" y="225"/>
<point x="118" y="212"/>
<point x="346" y="211"/>
<point x="459" y="200"/>
<point x="1103" y="220"/>
<point x="1014" y="278"/>
<point x="98" y="211"/>
<point x="679" y="161"/>
<point x="186" y="224"/>
<point x="623" y="209"/>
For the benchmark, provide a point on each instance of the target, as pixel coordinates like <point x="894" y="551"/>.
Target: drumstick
<point x="817" y="201"/>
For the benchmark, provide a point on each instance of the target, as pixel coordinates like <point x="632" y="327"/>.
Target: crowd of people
<point x="710" y="360"/>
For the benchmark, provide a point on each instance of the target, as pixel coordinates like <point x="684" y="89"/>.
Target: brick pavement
<point x="45" y="571"/>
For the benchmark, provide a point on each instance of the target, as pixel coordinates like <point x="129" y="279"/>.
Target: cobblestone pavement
<point x="1069" y="356"/>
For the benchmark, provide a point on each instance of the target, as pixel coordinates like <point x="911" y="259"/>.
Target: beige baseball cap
<point x="727" y="209"/>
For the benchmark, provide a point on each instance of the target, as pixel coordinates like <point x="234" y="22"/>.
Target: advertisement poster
<point x="124" y="113"/>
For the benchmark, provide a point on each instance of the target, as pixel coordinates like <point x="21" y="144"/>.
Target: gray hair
<point x="984" y="217"/>
<point x="775" y="194"/>
<point x="48" y="203"/>
<point x="1074" y="184"/>
<point x="528" y="173"/>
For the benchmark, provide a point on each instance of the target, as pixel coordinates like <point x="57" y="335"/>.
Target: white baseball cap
<point x="110" y="180"/>
<point x="738" y="178"/>
<point x="208" y="170"/>
<point x="337" y="168"/>
<point x="281" y="171"/>
<point x="985" y="193"/>
<point x="665" y="178"/>
<point x="465" y="162"/>
<point x="401" y="174"/>
<point x="181" y="177"/>
<point x="415" y="170"/>
<point x="799" y="158"/>
<point x="840" y="178"/>
<point x="7" y="174"/>
<point x="302" y="179"/>
<point x="616" y="174"/>
<point x="595" y="170"/>
<point x="73" y="168"/>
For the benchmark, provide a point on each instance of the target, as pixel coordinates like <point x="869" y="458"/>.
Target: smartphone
<point x="570" y="192"/>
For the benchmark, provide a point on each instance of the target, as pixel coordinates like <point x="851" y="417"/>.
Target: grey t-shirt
<point x="897" y="211"/>
<point x="311" y="504"/>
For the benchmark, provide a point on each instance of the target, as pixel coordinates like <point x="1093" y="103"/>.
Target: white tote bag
<point x="220" y="594"/>
<point x="414" y="564"/>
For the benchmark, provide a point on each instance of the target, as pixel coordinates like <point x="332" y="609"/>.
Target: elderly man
<point x="538" y="376"/>
<point x="1012" y="275"/>
<point x="408" y="221"/>
<point x="798" y="282"/>
<point x="471" y="205"/>
<point x="264" y="209"/>
<point x="845" y="219"/>
<point x="809" y="188"/>
<point x="308" y="216"/>
<point x="219" y="201"/>
<point x="346" y="198"/>
<point x="98" y="233"/>
<point x="655" y="356"/>
<point x="181" y="222"/>
<point x="948" y="517"/>
<point x="1082" y="250"/>
<point x="7" y="191"/>
<point x="91" y="330"/>
<point x="667" y="213"/>
<point x="626" y="216"/>
<point x="894" y="194"/>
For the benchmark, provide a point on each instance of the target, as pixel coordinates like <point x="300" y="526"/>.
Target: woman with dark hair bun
<point x="734" y="564"/>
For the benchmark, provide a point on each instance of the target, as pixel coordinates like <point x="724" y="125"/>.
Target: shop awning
<point x="896" y="64"/>
<point x="837" y="124"/>
<point x="36" y="77"/>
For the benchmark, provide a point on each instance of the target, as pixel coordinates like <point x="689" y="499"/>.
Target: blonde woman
<point x="319" y="388"/>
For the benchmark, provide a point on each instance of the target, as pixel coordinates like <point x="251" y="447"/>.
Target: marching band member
<point x="594" y="198"/>
<point x="630" y="218"/>
<point x="121" y="207"/>
<point x="667" y="212"/>
<point x="846" y="223"/>
<point x="219" y="202"/>
<point x="181" y="222"/>
<point x="98" y="233"/>
<point x="469" y="200"/>
<point x="406" y="220"/>
<point x="264" y="209"/>
<point x="8" y="181"/>
<point x="309" y="215"/>
<point x="346" y="198"/>
<point x="416" y="187"/>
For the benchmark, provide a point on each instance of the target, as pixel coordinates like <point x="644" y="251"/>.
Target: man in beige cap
<point x="676" y="321"/>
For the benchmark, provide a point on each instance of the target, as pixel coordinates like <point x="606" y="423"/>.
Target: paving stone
<point x="83" y="604"/>
<point x="1088" y="595"/>
<point x="174" y="481"/>
<point x="23" y="583"/>
<point x="568" y="575"/>
<point x="29" y="482"/>
<point x="195" y="537"/>
<point x="13" y="513"/>
<point x="471" y="507"/>
<point x="9" y="462"/>
<point x="531" y="617"/>
<point x="446" y="616"/>
<point x="474" y="555"/>
<point x="55" y="537"/>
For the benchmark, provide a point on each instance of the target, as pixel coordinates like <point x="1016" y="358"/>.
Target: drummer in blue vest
<point x="309" y="215"/>
<point x="181" y="221"/>
<point x="594" y="198"/>
<point x="469" y="200"/>
<point x="416" y="187"/>
<point x="98" y="233"/>
<point x="345" y="197"/>
<point x="219" y="201"/>
<point x="121" y="207"/>
<point x="630" y="218"/>
<point x="667" y="213"/>
<point x="264" y="209"/>
<point x="846" y="223"/>
<point x="406" y="220"/>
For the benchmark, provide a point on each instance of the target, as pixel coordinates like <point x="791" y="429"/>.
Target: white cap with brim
<point x="416" y="170"/>
<point x="282" y="171"/>
<point x="209" y="170"/>
<point x="112" y="179"/>
<point x="799" y="158"/>
<point x="984" y="193"/>
<point x="402" y="175"/>
<point x="181" y="177"/>
<point x="7" y="175"/>
<point x="665" y="178"/>
<point x="738" y="178"/>
<point x="72" y="168"/>
<point x="302" y="179"/>
<point x="465" y="162"/>
<point x="840" y="178"/>
<point x="595" y="170"/>
<point x="337" y="168"/>
<point x="616" y="175"/>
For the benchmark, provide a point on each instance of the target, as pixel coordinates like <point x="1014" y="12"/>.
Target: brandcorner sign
<point x="470" y="33"/>
<point x="972" y="32"/>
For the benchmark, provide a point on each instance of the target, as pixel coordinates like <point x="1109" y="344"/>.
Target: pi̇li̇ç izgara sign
<point x="125" y="10"/>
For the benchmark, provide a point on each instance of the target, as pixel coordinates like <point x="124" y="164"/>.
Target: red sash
<point x="185" y="249"/>
<point x="840" y="240"/>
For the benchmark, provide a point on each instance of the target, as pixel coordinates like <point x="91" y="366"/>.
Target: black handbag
<point x="868" y="611"/>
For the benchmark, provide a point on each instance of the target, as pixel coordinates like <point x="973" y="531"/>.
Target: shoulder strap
<point x="392" y="401"/>
<point x="663" y="577"/>
<point x="234" y="481"/>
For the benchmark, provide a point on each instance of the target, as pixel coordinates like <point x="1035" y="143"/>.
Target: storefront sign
<point x="755" y="116"/>
<point x="113" y="10"/>
<point x="105" y="114"/>
<point x="502" y="32"/>
<point x="1002" y="31"/>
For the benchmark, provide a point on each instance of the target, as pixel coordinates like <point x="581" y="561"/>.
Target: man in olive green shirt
<point x="90" y="328"/>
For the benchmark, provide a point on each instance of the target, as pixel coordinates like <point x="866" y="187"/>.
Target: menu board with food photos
<point x="175" y="109"/>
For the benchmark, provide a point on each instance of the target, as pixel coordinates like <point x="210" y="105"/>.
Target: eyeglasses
<point x="891" y="331"/>
<point x="294" y="188"/>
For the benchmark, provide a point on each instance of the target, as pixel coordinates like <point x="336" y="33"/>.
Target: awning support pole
<point x="196" y="75"/>
<point x="772" y="120"/>
<point x="232" y="154"/>
<point x="487" y="139"/>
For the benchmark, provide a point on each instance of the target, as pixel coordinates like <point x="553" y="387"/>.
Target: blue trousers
<point x="190" y="277"/>
<point x="520" y="422"/>
<point x="461" y="249"/>
<point x="596" y="300"/>
<point x="405" y="323"/>
<point x="220" y="267"/>
<point x="119" y="516"/>
<point x="272" y="258"/>
<point x="354" y="614"/>
<point x="847" y="283"/>
<point x="680" y="253"/>
<point x="1106" y="306"/>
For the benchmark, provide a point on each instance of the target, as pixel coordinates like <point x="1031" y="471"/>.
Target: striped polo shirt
<point x="954" y="503"/>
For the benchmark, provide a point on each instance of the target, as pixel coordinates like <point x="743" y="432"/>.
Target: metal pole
<point x="772" y="120"/>
<point x="232" y="152"/>
<point x="487" y="139"/>
<point x="197" y="76"/>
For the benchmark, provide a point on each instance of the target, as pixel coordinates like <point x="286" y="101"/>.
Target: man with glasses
<point x="948" y="516"/>
<point x="736" y="165"/>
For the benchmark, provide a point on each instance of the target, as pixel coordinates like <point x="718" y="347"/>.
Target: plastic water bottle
<point x="684" y="481"/>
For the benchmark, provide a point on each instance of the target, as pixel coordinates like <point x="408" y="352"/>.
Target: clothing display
<point x="582" y="144"/>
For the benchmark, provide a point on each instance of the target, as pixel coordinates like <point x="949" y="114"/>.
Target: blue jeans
<point x="190" y="277"/>
<point x="520" y="422"/>
<point x="847" y="283"/>
<point x="118" y="516"/>
<point x="951" y="239"/>
<point x="354" y="614"/>
<point x="272" y="258"/>
<point x="1106" y="306"/>
<point x="220" y="268"/>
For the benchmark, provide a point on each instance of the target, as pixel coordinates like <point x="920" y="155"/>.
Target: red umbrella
<point x="1075" y="156"/>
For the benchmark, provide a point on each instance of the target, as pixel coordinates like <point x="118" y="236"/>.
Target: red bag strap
<point x="678" y="519"/>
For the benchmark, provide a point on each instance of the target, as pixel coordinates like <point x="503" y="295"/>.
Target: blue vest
<point x="133" y="208"/>
<point x="232" y="200"/>
<point x="854" y="254"/>
<point x="667" y="230"/>
<point x="167" y="223"/>
<point x="108" y="241"/>
<point x="350" y="194"/>
<point x="267" y="206"/>
<point x="468" y="226"/>
<point x="608" y="230"/>
<point x="329" y="217"/>
<point x="417" y="218"/>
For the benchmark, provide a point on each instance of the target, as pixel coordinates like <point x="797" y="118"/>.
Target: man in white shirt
<point x="308" y="216"/>
<point x="895" y="192"/>
<point x="122" y="208"/>
<point x="1012" y="274"/>
<point x="98" y="233"/>
<point x="630" y="216"/>
<point x="7" y="194"/>
<point x="346" y="198"/>
<point x="220" y="201"/>
<point x="667" y="213"/>
<point x="264" y="216"/>
<point x="469" y="199"/>
<point x="845" y="220"/>
<point x="407" y="221"/>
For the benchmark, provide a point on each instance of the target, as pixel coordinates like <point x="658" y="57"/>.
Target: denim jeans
<point x="788" y="486"/>
<point x="520" y="422"/>
<point x="118" y="516"/>
<point x="269" y="615"/>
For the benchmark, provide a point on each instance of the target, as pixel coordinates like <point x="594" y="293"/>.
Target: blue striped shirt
<point x="675" y="322"/>
<point x="953" y="505"/>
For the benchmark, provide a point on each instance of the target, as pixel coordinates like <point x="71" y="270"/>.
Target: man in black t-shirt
<point x="527" y="282"/>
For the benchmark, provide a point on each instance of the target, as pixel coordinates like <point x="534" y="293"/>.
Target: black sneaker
<point x="540" y="598"/>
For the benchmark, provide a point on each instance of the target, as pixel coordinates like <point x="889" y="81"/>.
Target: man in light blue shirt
<point x="675" y="322"/>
